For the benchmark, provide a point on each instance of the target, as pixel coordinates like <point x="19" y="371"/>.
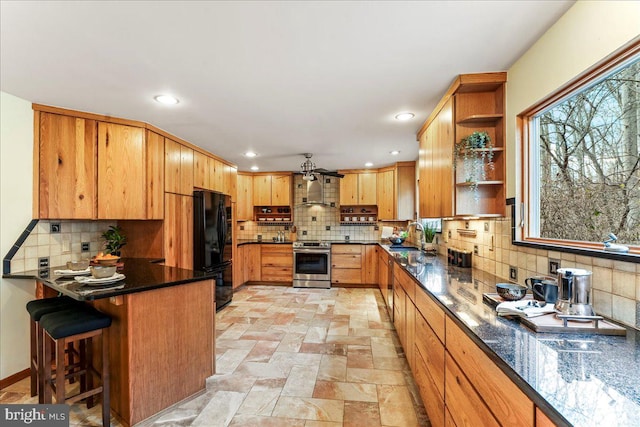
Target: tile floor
<point x="294" y="357"/>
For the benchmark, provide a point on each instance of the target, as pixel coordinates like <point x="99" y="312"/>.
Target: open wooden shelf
<point x="479" y="118"/>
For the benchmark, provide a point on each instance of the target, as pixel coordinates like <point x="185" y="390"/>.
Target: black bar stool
<point x="37" y="309"/>
<point x="80" y="324"/>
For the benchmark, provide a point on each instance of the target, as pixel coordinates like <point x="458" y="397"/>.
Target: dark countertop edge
<point x="289" y="242"/>
<point x="523" y="385"/>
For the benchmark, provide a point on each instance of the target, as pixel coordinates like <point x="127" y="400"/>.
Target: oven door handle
<point x="311" y="251"/>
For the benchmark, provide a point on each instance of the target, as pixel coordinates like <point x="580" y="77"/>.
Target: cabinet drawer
<point x="346" y="249"/>
<point x="431" y="397"/>
<point x="277" y="249"/>
<point x="431" y="351"/>
<point x="277" y="274"/>
<point x="345" y="275"/>
<point x="283" y="260"/>
<point x="431" y="312"/>
<point x="346" y="261"/>
<point x="465" y="405"/>
<point x="402" y="278"/>
<point x="510" y="404"/>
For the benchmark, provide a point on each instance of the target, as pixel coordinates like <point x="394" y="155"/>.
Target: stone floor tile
<point x="310" y="409"/>
<point x="243" y="420"/>
<point x="260" y="402"/>
<point x="332" y="368"/>
<point x="262" y="351"/>
<point x="345" y="391"/>
<point x="375" y="376"/>
<point x="361" y="414"/>
<point x="220" y="410"/>
<point x="230" y="382"/>
<point x="396" y="406"/>
<point x="301" y="381"/>
<point x="230" y="360"/>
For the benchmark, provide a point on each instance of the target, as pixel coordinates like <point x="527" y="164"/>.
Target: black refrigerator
<point x="212" y="241"/>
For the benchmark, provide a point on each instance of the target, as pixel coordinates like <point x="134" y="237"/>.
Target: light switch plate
<point x="54" y="227"/>
<point x="85" y="247"/>
<point x="554" y="265"/>
<point x="513" y="273"/>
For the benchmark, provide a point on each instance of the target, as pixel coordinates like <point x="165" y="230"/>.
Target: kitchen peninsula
<point x="162" y="335"/>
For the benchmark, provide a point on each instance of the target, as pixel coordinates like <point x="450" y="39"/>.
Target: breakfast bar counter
<point x="161" y="339"/>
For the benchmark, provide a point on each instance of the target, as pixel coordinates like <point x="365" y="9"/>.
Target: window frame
<point x="525" y="138"/>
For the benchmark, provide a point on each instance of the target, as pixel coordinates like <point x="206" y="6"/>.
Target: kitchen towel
<point x="386" y="232"/>
<point x="528" y="308"/>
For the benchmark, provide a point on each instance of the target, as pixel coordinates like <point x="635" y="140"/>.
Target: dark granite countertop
<point x="288" y="242"/>
<point x="577" y="379"/>
<point x="140" y="275"/>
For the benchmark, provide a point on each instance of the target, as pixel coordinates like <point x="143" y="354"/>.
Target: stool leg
<point x="35" y="357"/>
<point x="83" y="366"/>
<point x="70" y="350"/>
<point x="40" y="338"/>
<point x="45" y="374"/>
<point x="60" y="369"/>
<point x="106" y="404"/>
<point x="87" y="365"/>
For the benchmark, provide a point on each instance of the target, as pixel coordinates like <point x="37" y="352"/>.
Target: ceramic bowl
<point x="78" y="265"/>
<point x="396" y="240"/>
<point x="107" y="261"/>
<point x="101" y="271"/>
<point x="511" y="291"/>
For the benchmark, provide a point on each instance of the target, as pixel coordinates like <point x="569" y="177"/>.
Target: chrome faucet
<point x="610" y="246"/>
<point x="421" y="228"/>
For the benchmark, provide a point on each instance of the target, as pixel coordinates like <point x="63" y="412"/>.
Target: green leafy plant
<point x="476" y="154"/>
<point x="114" y="240"/>
<point x="429" y="233"/>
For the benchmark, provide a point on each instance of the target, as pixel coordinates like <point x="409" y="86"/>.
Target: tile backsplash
<point x="60" y="247"/>
<point x="615" y="284"/>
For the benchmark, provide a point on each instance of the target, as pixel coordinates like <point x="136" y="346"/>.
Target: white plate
<point x="72" y="273"/>
<point x="90" y="281"/>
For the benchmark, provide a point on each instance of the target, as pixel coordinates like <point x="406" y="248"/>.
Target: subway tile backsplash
<point x="59" y="247"/>
<point x="615" y="284"/>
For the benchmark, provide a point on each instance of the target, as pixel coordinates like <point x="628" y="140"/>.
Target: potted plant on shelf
<point x="114" y="240"/>
<point x="476" y="154"/>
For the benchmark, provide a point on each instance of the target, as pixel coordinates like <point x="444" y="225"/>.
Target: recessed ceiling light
<point x="166" y="99"/>
<point x="255" y="168"/>
<point x="250" y="154"/>
<point x="394" y="152"/>
<point x="368" y="164"/>
<point x="405" y="116"/>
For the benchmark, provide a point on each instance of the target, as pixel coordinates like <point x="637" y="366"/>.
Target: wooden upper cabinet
<point x="281" y="190"/>
<point x="121" y="172"/>
<point x="178" y="166"/>
<point x="201" y="175"/>
<point x="245" y="197"/>
<point x="155" y="175"/>
<point x="386" y="195"/>
<point x="178" y="231"/>
<point x="262" y="190"/>
<point x="367" y="188"/>
<point x="66" y="187"/>
<point x="358" y="188"/>
<point x="349" y="189"/>
<point x="232" y="172"/>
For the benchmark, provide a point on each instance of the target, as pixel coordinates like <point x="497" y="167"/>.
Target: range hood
<point x="315" y="193"/>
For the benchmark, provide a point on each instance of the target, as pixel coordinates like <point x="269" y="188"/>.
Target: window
<point x="582" y="151"/>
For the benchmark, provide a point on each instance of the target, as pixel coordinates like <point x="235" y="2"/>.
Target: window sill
<point x="627" y="257"/>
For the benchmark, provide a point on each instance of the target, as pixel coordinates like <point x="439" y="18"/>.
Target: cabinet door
<point x="217" y="171"/>
<point x="370" y="264"/>
<point x="233" y="182"/>
<point x="405" y="191"/>
<point x="367" y="188"/>
<point x="155" y="175"/>
<point x="121" y="172"/>
<point x="444" y="188"/>
<point x="281" y="190"/>
<point x="386" y="196"/>
<point x="431" y="351"/>
<point x="262" y="190"/>
<point x="383" y="274"/>
<point x="433" y="401"/>
<point x="186" y="171"/>
<point x="67" y="167"/>
<point x="254" y="263"/>
<point x="201" y="176"/>
<point x="245" y="197"/>
<point x="178" y="231"/>
<point x="349" y="189"/>
<point x="171" y="166"/>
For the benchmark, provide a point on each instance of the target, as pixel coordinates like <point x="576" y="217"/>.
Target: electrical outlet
<point x="242" y="228"/>
<point x="328" y="180"/>
<point x="304" y="200"/>
<point x="327" y="227"/>
<point x="304" y="232"/>
<point x="54" y="227"/>
<point x="43" y="262"/>
<point x="466" y="225"/>
<point x="85" y="247"/>
<point x="376" y="228"/>
<point x="486" y="226"/>
<point x="313" y="218"/>
<point x="475" y="249"/>
<point x="259" y="237"/>
<point x="554" y="265"/>
<point x="346" y="238"/>
<point x="332" y="204"/>
<point x="448" y="234"/>
<point x="513" y="273"/>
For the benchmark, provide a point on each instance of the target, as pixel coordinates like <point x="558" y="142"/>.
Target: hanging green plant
<point x="475" y="152"/>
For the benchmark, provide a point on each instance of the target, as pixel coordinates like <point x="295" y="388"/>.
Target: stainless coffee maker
<point x="574" y="292"/>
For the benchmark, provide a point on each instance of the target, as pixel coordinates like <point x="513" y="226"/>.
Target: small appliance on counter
<point x="459" y="258"/>
<point x="212" y="241"/>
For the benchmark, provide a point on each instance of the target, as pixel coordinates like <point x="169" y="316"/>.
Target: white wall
<point x="583" y="36"/>
<point x="16" y="190"/>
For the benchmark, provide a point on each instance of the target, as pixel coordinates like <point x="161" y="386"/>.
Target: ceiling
<point x="279" y="78"/>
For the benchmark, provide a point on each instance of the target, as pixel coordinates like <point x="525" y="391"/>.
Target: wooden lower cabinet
<point x="369" y="264"/>
<point x="354" y="264"/>
<point x="253" y="263"/>
<point x="383" y="274"/>
<point x="277" y="263"/>
<point x="507" y="402"/>
<point x="429" y="391"/>
<point x="430" y="351"/>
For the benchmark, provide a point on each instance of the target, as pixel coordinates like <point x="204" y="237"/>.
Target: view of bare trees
<point x="589" y="162"/>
